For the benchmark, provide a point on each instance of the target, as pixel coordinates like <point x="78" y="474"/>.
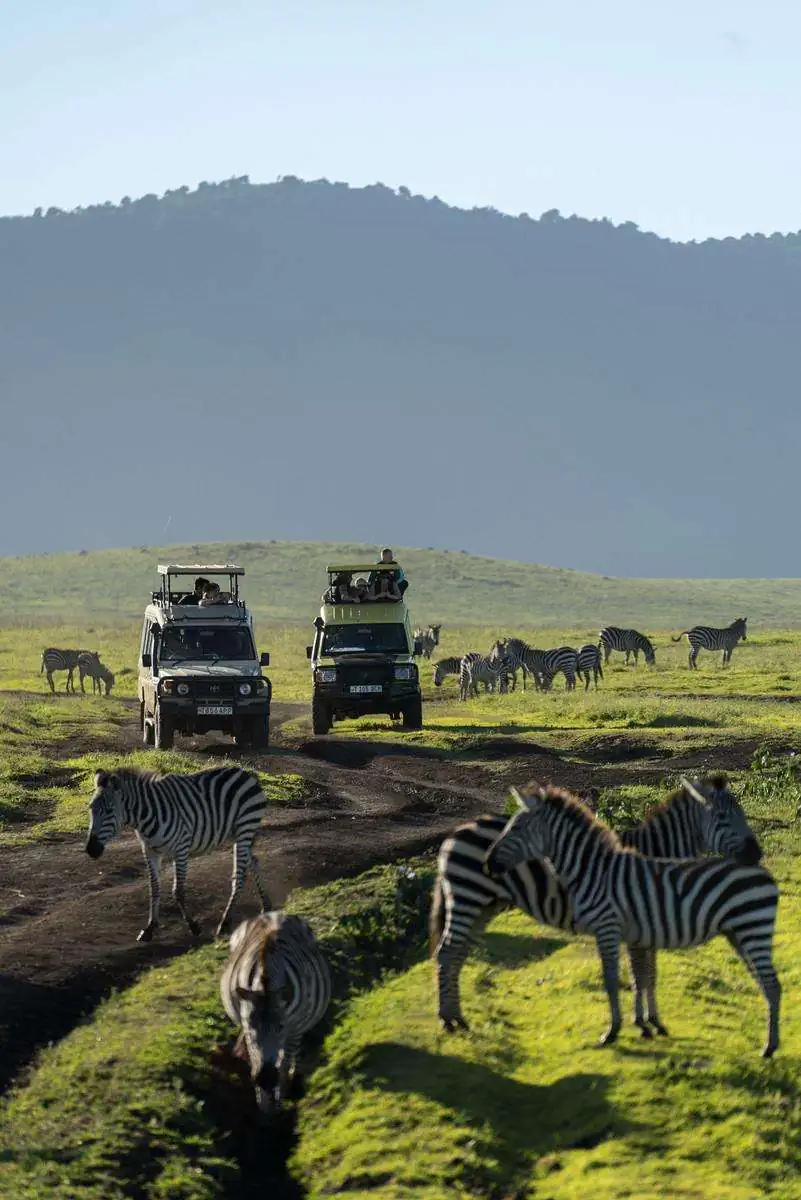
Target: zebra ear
<point x="692" y="791"/>
<point x="101" y="779"/>
<point x="527" y="800"/>
<point x="518" y="799"/>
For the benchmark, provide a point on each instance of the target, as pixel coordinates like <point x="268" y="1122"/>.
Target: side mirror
<point x="264" y="659"/>
<point x="418" y="647"/>
<point x="147" y="660"/>
<point x="308" y="651"/>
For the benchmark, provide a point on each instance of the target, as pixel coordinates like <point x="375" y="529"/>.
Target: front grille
<point x="214" y="690"/>
<point x="353" y="675"/>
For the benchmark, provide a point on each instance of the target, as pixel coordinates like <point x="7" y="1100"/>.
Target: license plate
<point x="215" y="710"/>
<point x="366" y="687"/>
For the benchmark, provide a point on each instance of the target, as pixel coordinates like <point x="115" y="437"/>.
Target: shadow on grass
<point x="517" y="949"/>
<point x="516" y="1122"/>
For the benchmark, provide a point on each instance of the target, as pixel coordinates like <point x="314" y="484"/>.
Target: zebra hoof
<point x="659" y="1029"/>
<point x="195" y="928"/>
<point x="645" y="1031"/>
<point x="769" y="1051"/>
<point x="146" y="935"/>
<point x="454" y="1024"/>
<point x="608" y="1039"/>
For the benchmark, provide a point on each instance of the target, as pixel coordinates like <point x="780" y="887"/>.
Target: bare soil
<point x="68" y="924"/>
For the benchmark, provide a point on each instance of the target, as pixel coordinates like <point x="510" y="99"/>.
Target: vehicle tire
<point x="148" y="735"/>
<point x="413" y="714"/>
<point x="164" y="731"/>
<point x="261" y="733"/>
<point x="321" y="716"/>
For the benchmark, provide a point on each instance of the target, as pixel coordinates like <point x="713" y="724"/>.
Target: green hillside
<point x="285" y="580"/>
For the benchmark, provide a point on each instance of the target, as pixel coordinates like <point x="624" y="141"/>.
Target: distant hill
<point x="307" y="360"/>
<point x="285" y="580"/>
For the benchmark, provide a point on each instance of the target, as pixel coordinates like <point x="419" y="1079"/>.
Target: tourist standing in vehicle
<point x="388" y="585"/>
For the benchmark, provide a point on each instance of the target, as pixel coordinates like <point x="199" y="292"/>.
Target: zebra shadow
<point x="515" y="1123"/>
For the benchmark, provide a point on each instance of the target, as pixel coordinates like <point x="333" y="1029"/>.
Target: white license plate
<point x="366" y="687"/>
<point x="215" y="710"/>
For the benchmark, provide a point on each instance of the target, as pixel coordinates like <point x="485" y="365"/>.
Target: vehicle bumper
<point x="392" y="698"/>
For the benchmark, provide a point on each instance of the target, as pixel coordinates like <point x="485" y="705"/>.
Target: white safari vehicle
<point x="198" y="666"/>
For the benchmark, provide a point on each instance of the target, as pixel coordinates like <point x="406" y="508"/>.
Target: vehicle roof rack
<point x="366" y="567"/>
<point x="199" y="568"/>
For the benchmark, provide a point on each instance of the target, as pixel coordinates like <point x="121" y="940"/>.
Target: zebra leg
<point x="757" y="959"/>
<point x="693" y="658"/>
<point x="587" y="682"/>
<point x="180" y="868"/>
<point x="609" y="949"/>
<point x="50" y="681"/>
<point x="253" y="867"/>
<point x="451" y="954"/>
<point x="242" y="856"/>
<point x="643" y="970"/>
<point x="153" y="864"/>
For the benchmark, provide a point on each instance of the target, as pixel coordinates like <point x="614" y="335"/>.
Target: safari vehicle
<point x="362" y="658"/>
<point x="198" y="667"/>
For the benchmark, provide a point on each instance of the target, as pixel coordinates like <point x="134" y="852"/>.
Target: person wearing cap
<point x="388" y="585"/>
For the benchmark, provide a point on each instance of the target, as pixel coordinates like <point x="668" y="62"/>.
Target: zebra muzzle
<point x="94" y="847"/>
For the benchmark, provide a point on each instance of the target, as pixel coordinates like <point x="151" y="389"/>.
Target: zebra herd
<point x="88" y="665"/>
<point x="497" y="671"/>
<point x="648" y="889"/>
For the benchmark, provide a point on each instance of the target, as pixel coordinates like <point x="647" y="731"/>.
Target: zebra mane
<point x="131" y="775"/>
<point x="681" y="796"/>
<point x="574" y="810"/>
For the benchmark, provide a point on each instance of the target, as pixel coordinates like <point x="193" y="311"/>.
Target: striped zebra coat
<point x="177" y="816"/>
<point x="706" y="637"/>
<point x="648" y="904"/>
<point x="476" y="669"/>
<point x="428" y="638"/>
<point x="512" y="651"/>
<point x="628" y="642"/>
<point x="90" y="665"/>
<point x="588" y="663"/>
<point x="276" y="986"/>
<point x="464" y="899"/>
<point x="446" y="667"/>
<point x="546" y="664"/>
<point x="63" y="660"/>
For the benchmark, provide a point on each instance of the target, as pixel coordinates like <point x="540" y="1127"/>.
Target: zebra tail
<point x="681" y="635"/>
<point x="436" y="920"/>
<point x="600" y="668"/>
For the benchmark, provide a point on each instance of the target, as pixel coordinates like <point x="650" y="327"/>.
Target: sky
<point x="680" y="117"/>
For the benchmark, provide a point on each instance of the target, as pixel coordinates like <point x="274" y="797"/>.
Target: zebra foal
<point x="446" y="667"/>
<point x="89" y="664"/>
<point x="177" y="816"/>
<point x="706" y="637"/>
<point x="628" y="642"/>
<point x="648" y="904"/>
<point x="275" y="986"/>
<point x="476" y="669"/>
<point x="695" y="820"/>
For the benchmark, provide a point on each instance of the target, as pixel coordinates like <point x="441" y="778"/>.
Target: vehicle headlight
<point x="326" y="675"/>
<point x="167" y="687"/>
<point x="183" y="689"/>
<point x="244" y="689"/>
<point x="404" y="672"/>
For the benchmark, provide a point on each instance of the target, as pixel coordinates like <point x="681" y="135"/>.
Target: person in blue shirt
<point x="388" y="585"/>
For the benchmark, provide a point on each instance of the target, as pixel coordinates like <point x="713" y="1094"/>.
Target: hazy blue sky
<point x="683" y="117"/>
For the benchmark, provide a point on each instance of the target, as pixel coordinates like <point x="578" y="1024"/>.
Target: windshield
<point x="210" y="641"/>
<point x="361" y="639"/>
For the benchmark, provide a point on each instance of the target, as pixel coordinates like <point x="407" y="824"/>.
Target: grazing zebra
<point x="445" y="667"/>
<point x="89" y="664"/>
<point x="62" y="660"/>
<point x="705" y="637"/>
<point x="589" y="663"/>
<point x="275" y="986"/>
<point x="476" y="669"/>
<point x="429" y="639"/>
<point x="545" y="664"/>
<point x="628" y="641"/>
<point x="648" y="904"/>
<point x="513" y="651"/>
<point x="694" y="821"/>
<point x="177" y="816"/>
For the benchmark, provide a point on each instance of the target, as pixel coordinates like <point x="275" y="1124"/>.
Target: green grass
<point x="285" y="580"/>
<point x="128" y="1104"/>
<point x="526" y="1106"/>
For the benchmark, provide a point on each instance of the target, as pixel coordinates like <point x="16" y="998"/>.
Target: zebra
<point x="589" y="663"/>
<point x="275" y="986"/>
<point x="445" y="667"/>
<point x="545" y="664"/>
<point x="620" y="896"/>
<point x="705" y="637"/>
<point x="476" y="669"/>
<point x="176" y="816"/>
<point x="514" y="651"/>
<point x="90" y="664"/>
<point x="628" y="641"/>
<point x="695" y="820"/>
<point x="429" y="639"/>
<point x="62" y="660"/>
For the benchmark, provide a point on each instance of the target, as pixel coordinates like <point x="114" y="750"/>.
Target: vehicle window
<point x="181" y="643"/>
<point x="358" y="639"/>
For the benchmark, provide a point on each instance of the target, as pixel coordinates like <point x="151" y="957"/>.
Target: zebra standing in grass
<point x="476" y="669"/>
<point x="62" y="660"/>
<point x="545" y="664"/>
<point x="706" y="637"/>
<point x="428" y="638"/>
<point x="276" y="986"/>
<point x="628" y="641"/>
<point x="89" y="664"/>
<point x="589" y="664"/>
<point x="513" y="651"/>
<point x="445" y="667"/>
<point x="696" y="820"/>
<point x="648" y="904"/>
<point x="178" y="816"/>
